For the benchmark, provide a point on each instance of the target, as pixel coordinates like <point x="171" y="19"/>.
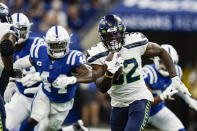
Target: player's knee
<point x="6" y="48"/>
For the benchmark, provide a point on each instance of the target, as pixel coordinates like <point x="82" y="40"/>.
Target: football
<point x="109" y="58"/>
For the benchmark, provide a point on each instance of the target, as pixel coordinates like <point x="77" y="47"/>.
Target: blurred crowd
<point x="72" y="14"/>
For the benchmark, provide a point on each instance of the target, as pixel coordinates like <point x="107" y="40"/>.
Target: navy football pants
<point x="2" y="115"/>
<point x="131" y="118"/>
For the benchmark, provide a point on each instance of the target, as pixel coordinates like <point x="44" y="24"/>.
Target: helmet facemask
<point x="57" y="49"/>
<point x="23" y="32"/>
<point x="113" y="39"/>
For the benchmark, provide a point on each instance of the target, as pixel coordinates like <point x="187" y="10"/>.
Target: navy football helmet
<point x="112" y="32"/>
<point x="4" y="14"/>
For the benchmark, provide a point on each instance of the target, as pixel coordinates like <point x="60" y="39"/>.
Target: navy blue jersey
<point x="30" y="43"/>
<point x="51" y="70"/>
<point x="157" y="83"/>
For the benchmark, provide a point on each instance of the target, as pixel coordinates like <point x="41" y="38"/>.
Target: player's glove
<point x="168" y="93"/>
<point x="15" y="73"/>
<point x="31" y="79"/>
<point x="114" y="64"/>
<point x="62" y="81"/>
<point x="9" y="92"/>
<point x="178" y="84"/>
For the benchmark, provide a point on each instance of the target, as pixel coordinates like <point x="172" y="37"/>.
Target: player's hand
<point x="168" y="93"/>
<point x="62" y="81"/>
<point x="15" y="73"/>
<point x="31" y="79"/>
<point x="114" y="64"/>
<point x="179" y="85"/>
<point x="9" y="92"/>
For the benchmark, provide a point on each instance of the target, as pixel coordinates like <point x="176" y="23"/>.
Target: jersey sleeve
<point x="76" y="58"/>
<point x="93" y="55"/>
<point x="37" y="52"/>
<point x="35" y="42"/>
<point x="150" y="75"/>
<point x="136" y="40"/>
<point x="179" y="71"/>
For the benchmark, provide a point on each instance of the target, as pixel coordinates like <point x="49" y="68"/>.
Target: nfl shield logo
<point x="50" y="67"/>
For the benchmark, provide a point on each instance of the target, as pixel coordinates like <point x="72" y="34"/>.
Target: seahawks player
<point x="159" y="82"/>
<point x="130" y="98"/>
<point x="8" y="38"/>
<point x="18" y="108"/>
<point x="56" y="65"/>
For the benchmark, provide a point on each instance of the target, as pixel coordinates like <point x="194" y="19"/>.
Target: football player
<point x="118" y="52"/>
<point x="159" y="82"/>
<point x="8" y="37"/>
<point x="57" y="65"/>
<point x="19" y="107"/>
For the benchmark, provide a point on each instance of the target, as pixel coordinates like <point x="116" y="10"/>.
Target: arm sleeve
<point x="22" y="63"/>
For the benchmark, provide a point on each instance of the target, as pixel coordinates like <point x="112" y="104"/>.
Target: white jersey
<point x="130" y="86"/>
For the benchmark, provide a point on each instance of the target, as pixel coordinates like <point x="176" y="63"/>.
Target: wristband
<point x="109" y="75"/>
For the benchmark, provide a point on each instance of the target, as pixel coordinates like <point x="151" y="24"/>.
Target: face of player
<point x="58" y="49"/>
<point x="113" y="40"/>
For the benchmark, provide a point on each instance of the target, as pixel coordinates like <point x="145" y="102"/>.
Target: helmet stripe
<point x="56" y="31"/>
<point x="17" y="17"/>
<point x="169" y="50"/>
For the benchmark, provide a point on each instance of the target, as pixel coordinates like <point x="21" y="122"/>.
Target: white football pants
<point x="166" y="120"/>
<point x="50" y="115"/>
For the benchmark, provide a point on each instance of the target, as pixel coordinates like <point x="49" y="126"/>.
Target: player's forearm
<point x="156" y="101"/>
<point x="103" y="83"/>
<point x="23" y="63"/>
<point x="8" y="62"/>
<point x="165" y="57"/>
<point x="85" y="78"/>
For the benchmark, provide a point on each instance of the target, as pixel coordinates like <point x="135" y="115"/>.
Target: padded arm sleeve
<point x="6" y="48"/>
<point x="23" y="63"/>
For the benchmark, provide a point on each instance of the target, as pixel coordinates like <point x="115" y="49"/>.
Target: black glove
<point x="15" y="73"/>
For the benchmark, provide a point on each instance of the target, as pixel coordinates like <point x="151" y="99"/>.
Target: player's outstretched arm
<point x="103" y="82"/>
<point x="23" y="63"/>
<point x="7" y="51"/>
<point x="84" y="74"/>
<point x="154" y="49"/>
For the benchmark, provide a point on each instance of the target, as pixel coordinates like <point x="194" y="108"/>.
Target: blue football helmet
<point x="112" y="32"/>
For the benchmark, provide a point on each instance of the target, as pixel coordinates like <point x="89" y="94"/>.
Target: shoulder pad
<point x="150" y="74"/>
<point x="38" y="50"/>
<point x="136" y="39"/>
<point x="96" y="52"/>
<point x="75" y="58"/>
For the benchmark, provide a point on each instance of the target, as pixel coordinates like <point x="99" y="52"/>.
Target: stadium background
<point x="162" y="21"/>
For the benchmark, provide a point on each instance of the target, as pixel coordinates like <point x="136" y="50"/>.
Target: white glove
<point x="62" y="81"/>
<point x="178" y="84"/>
<point x="114" y="64"/>
<point x="188" y="99"/>
<point x="168" y="93"/>
<point x="31" y="79"/>
<point x="9" y="92"/>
